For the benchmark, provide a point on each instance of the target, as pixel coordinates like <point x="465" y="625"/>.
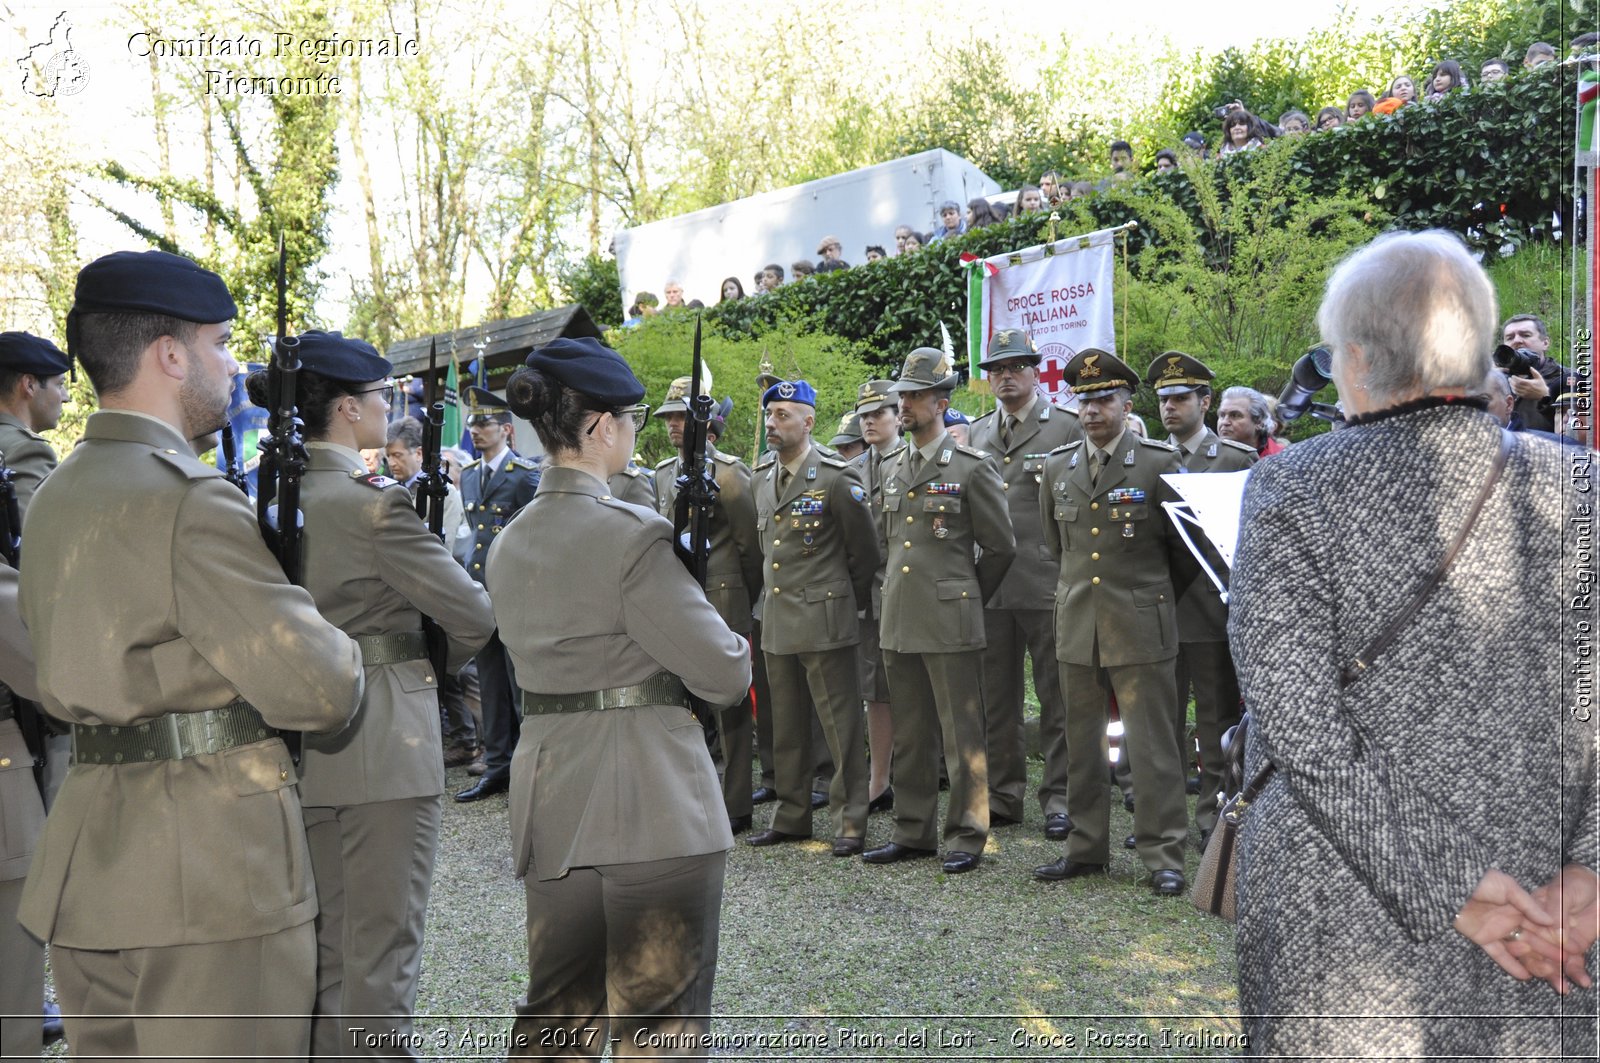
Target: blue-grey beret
<point x="791" y="391"/>
<point x="153" y="282"/>
<point x="344" y="358"/>
<point x="586" y="365"/>
<point x="22" y="352"/>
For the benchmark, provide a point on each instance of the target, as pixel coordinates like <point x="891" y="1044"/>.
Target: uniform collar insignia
<point x="1127" y="459"/>
<point x="1073" y="462"/>
<point x="944" y="456"/>
<point x="1211" y="451"/>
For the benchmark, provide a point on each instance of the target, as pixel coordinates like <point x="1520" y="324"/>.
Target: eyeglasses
<point x="385" y="390"/>
<point x="636" y="414"/>
<point x="1009" y="369"/>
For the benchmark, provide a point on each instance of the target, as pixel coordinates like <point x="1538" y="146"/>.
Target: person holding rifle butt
<point x="371" y="793"/>
<point x="173" y="881"/>
<point x="617" y="821"/>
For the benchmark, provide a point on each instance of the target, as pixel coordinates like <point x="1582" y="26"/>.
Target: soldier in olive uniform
<point x="943" y="505"/>
<point x="1022" y="429"/>
<point x="634" y="484"/>
<point x="33" y="386"/>
<point x="494" y="488"/>
<point x="820" y="549"/>
<point x="618" y="829"/>
<point x="733" y="582"/>
<point x="1116" y="623"/>
<point x="172" y="881"/>
<point x="878" y="413"/>
<point x="371" y="792"/>
<point x="847" y="441"/>
<point x="1183" y="385"/>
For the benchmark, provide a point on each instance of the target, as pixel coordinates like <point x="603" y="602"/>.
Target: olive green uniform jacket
<point x="935" y="523"/>
<point x="28" y="455"/>
<point x="589" y="595"/>
<point x="374" y="569"/>
<point x="148" y="591"/>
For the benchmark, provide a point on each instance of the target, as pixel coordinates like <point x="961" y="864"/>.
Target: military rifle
<point x="432" y="491"/>
<point x="697" y="491"/>
<point x="230" y="460"/>
<point x="283" y="453"/>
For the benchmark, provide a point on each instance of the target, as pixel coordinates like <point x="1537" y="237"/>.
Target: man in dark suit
<point x="493" y="490"/>
<point x="1183" y="384"/>
<point x="1018" y="434"/>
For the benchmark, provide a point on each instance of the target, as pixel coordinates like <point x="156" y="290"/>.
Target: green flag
<point x="452" y="431"/>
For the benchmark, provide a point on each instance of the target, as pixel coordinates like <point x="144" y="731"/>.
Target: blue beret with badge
<point x="343" y="358"/>
<point x="954" y="416"/>
<point x="584" y="364"/>
<point x="791" y="391"/>
<point x="23" y="352"/>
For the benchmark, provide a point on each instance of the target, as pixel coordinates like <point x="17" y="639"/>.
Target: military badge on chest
<point x="939" y="529"/>
<point x="805" y="514"/>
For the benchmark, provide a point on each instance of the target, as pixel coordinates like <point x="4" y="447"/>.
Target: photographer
<point x="1535" y="383"/>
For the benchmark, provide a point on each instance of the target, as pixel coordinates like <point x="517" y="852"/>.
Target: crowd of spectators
<point x="1240" y="130"/>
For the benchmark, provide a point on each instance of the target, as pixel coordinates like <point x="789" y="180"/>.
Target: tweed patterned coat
<point x="1460" y="749"/>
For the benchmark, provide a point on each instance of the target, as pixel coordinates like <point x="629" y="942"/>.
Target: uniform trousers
<point x="373" y="865"/>
<point x="763" y="694"/>
<point x="457" y="726"/>
<point x="21" y="977"/>
<point x="501" y="725"/>
<point x="1010" y="633"/>
<point x="736" y="729"/>
<point x="807" y="686"/>
<point x="1147" y="700"/>
<point x="1209" y="667"/>
<point x="934" y="696"/>
<point x="223" y="999"/>
<point x="624" y="951"/>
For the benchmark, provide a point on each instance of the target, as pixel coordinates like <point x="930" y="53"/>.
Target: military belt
<point x="171" y="737"/>
<point x="663" y="688"/>
<point x="392" y="649"/>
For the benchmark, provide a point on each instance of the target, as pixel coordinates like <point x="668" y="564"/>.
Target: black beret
<point x="22" y="352"/>
<point x="338" y="357"/>
<point x="589" y="366"/>
<point x="153" y="282"/>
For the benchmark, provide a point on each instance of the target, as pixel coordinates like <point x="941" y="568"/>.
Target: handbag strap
<point x="1377" y="646"/>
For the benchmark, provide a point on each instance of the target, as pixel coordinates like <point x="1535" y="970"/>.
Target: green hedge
<point x="1448" y="165"/>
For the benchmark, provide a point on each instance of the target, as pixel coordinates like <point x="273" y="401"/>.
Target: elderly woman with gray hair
<point x="1417" y="871"/>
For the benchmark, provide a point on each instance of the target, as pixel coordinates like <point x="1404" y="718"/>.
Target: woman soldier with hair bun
<point x="371" y="793"/>
<point x="617" y="820"/>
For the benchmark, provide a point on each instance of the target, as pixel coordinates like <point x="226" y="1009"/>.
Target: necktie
<point x="1096" y="463"/>
<point x="783" y="481"/>
<point x="1007" y="427"/>
<point x="916" y="464"/>
<point x="483" y="480"/>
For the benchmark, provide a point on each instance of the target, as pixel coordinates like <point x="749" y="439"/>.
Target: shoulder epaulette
<point x="1158" y="444"/>
<point x="825" y="451"/>
<point x="973" y="452"/>
<point x="1246" y="447"/>
<point x="836" y="461"/>
<point x="473" y="464"/>
<point x="664" y="462"/>
<point x="726" y="459"/>
<point x="976" y="421"/>
<point x="523" y="463"/>
<point x="767" y="459"/>
<point x="897" y="449"/>
<point x="375" y="480"/>
<point x="639" y="513"/>
<point x="633" y="471"/>
<point x="1058" y="408"/>
<point x="187" y="464"/>
<point x="1067" y="446"/>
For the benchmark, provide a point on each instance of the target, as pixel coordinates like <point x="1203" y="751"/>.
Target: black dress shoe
<point x="739" y="824"/>
<point x="1130" y="842"/>
<point x="884" y="802"/>
<point x="1057" y="826"/>
<point x="1192" y="784"/>
<point x="894" y="852"/>
<point x="776" y="837"/>
<point x="997" y="819"/>
<point x="53" y="1030"/>
<point x="487" y="786"/>
<point x="1167" y="883"/>
<point x="818" y="799"/>
<point x="1064" y="869"/>
<point x="1127" y="802"/>
<point x="847" y="846"/>
<point x="959" y="863"/>
<point x="762" y="795"/>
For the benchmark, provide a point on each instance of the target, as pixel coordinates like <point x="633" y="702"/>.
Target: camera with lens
<point x="1516" y="361"/>
<point x="1312" y="372"/>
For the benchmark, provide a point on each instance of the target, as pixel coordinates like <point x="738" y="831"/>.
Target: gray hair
<point x="407" y="431"/>
<point x="1421" y="310"/>
<point x="1260" y="408"/>
<point x="1496" y="385"/>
